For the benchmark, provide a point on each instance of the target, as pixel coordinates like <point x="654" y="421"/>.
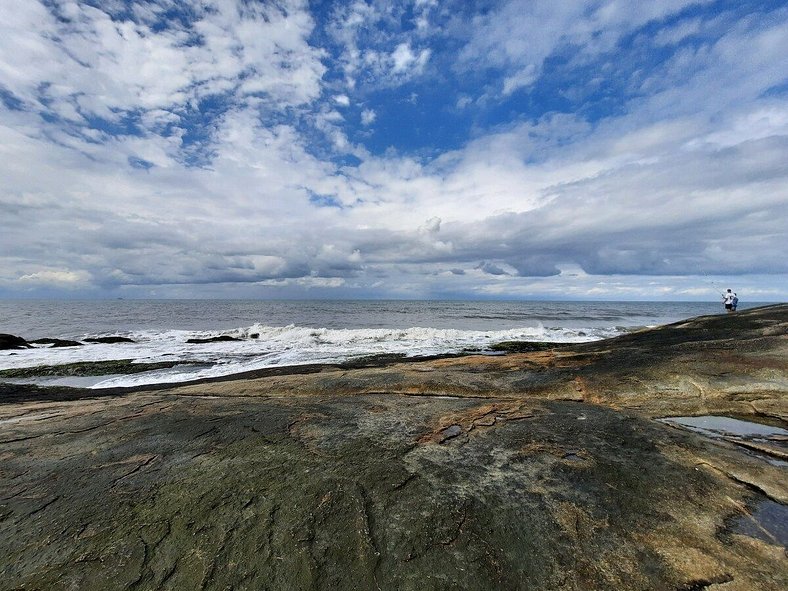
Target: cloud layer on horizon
<point x="378" y="149"/>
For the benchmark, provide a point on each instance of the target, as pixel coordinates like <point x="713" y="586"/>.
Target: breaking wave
<point x="259" y="346"/>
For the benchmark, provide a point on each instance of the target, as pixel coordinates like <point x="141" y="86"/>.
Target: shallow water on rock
<point x="768" y="522"/>
<point x="67" y="381"/>
<point x="765" y="437"/>
<point x="716" y="426"/>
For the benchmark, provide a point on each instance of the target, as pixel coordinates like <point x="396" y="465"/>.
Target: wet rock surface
<point x="524" y="346"/>
<point x="57" y="342"/>
<point x="218" y="339"/>
<point x="110" y="340"/>
<point x="10" y="341"/>
<point x="536" y="470"/>
<point x="85" y="368"/>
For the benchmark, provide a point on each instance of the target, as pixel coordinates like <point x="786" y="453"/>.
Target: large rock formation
<point x="538" y="470"/>
<point x="9" y="341"/>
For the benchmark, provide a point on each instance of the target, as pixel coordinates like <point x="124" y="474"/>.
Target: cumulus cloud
<point x="59" y="278"/>
<point x="368" y="117"/>
<point x="230" y="153"/>
<point x="373" y="50"/>
<point x="77" y="62"/>
<point x="490" y="268"/>
<point x="518" y="35"/>
<point x="405" y="60"/>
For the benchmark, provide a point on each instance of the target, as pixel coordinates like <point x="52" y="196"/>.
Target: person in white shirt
<point x="727" y="298"/>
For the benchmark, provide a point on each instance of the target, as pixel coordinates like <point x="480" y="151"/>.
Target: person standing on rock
<point x="728" y="298"/>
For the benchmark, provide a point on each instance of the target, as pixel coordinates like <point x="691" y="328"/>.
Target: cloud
<point x="372" y="49"/>
<point x="60" y="278"/>
<point x="82" y="63"/>
<point x="368" y="117"/>
<point x="679" y="32"/>
<point x="523" y="77"/>
<point x="405" y="60"/>
<point x="517" y="36"/>
<point x="490" y="268"/>
<point x="232" y="151"/>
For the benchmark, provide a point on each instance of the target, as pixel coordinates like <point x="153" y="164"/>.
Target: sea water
<point x="281" y="333"/>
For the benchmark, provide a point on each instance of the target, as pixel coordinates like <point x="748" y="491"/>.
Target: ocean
<point x="282" y="333"/>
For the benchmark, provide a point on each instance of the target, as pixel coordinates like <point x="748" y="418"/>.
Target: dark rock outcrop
<point x="110" y="340"/>
<point x="57" y="343"/>
<point x="220" y="339"/>
<point x="86" y="368"/>
<point x="524" y="346"/>
<point x="9" y="341"/>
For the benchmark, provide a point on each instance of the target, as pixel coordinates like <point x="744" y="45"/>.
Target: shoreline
<point x="372" y="361"/>
<point x="291" y="334"/>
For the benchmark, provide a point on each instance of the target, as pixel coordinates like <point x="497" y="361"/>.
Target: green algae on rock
<point x="86" y="368"/>
<point x="523" y="346"/>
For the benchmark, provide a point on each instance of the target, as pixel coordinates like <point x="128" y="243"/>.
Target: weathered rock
<point x="86" y="368"/>
<point x="524" y="346"/>
<point x="219" y="339"/>
<point x="539" y="470"/>
<point x="57" y="342"/>
<point x="110" y="340"/>
<point x="9" y="341"/>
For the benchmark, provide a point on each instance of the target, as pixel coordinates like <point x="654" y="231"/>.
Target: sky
<point x="605" y="149"/>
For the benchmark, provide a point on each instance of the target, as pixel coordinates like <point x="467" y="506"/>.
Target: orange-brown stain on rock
<point x="475" y="418"/>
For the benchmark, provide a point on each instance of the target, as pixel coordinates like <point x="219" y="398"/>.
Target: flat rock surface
<point x="539" y="470"/>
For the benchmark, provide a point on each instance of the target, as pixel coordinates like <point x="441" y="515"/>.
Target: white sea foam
<point x="262" y="346"/>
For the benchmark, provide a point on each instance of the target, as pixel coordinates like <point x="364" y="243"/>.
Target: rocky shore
<point x="542" y="468"/>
